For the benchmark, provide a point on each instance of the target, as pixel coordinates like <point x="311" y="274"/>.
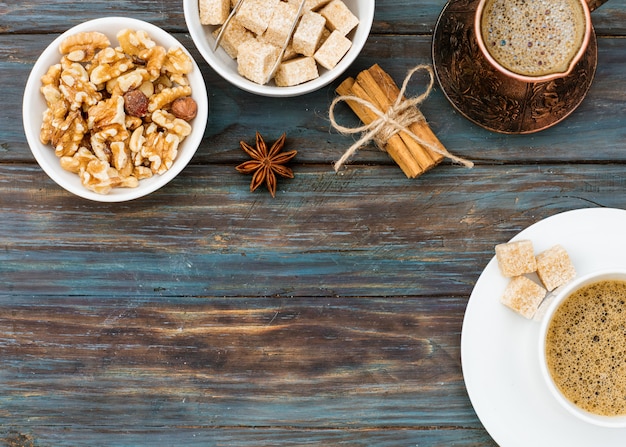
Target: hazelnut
<point x="185" y="108"/>
<point x="136" y="103"/>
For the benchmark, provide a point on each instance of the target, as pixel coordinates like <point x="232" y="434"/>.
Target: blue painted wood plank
<point x="203" y="436"/>
<point x="392" y="16"/>
<point x="331" y="315"/>
<point x="368" y="231"/>
<point x="330" y="370"/>
<point x="236" y="115"/>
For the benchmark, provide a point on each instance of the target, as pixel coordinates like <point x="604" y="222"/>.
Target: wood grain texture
<point x="235" y="115"/>
<point x="338" y="234"/>
<point x="215" y="367"/>
<point x="392" y="16"/>
<point x="204" y="315"/>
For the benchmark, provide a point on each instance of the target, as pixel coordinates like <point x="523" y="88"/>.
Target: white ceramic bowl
<point x="563" y="293"/>
<point x="226" y="67"/>
<point x="34" y="106"/>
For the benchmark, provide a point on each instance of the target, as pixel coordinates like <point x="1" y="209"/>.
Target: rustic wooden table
<point x="204" y="314"/>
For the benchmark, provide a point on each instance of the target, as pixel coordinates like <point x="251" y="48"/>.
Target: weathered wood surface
<point x="331" y="315"/>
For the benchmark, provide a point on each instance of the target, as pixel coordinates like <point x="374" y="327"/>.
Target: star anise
<point x="266" y="164"/>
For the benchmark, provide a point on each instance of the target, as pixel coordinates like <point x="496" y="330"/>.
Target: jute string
<point x="398" y="118"/>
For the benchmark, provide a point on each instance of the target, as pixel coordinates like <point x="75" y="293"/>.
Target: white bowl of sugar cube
<point x="315" y="41"/>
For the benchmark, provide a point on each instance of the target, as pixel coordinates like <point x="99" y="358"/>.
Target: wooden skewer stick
<point x="279" y="59"/>
<point x="218" y="39"/>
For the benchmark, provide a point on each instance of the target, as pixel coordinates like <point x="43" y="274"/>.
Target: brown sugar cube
<point x="296" y="71"/>
<point x="234" y="35"/>
<point x="325" y="35"/>
<point x="256" y="14"/>
<point x="309" y="5"/>
<point x="289" y="53"/>
<point x="313" y="5"/>
<point x="516" y="258"/>
<point x="332" y="50"/>
<point x="308" y="34"/>
<point x="554" y="267"/>
<point x="281" y="23"/>
<point x="339" y="17"/>
<point x="214" y="12"/>
<point x="256" y="60"/>
<point x="523" y="296"/>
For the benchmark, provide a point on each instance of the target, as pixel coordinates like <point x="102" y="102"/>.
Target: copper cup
<point x="588" y="31"/>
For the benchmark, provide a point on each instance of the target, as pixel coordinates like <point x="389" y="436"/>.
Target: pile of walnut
<point x="117" y="115"/>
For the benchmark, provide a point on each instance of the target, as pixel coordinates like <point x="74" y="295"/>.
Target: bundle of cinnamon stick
<point x="378" y="88"/>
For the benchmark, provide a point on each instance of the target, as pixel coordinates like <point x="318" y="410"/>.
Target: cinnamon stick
<point x="395" y="147"/>
<point x="383" y="100"/>
<point x="421" y="127"/>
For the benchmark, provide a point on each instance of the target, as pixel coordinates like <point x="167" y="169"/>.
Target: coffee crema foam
<point x="533" y="37"/>
<point x="586" y="348"/>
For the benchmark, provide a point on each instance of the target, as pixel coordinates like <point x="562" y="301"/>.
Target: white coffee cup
<point x="562" y="295"/>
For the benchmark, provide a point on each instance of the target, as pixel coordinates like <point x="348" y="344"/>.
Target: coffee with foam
<point x="586" y="347"/>
<point x="533" y="37"/>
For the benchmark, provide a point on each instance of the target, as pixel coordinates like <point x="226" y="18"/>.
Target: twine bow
<point x="398" y="118"/>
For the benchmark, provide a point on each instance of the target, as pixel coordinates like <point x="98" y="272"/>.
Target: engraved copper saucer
<point x="488" y="98"/>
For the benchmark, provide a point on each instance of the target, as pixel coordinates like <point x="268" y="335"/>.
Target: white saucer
<point x="499" y="347"/>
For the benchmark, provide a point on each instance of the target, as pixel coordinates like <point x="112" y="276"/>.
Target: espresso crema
<point x="533" y="37"/>
<point x="586" y="348"/>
